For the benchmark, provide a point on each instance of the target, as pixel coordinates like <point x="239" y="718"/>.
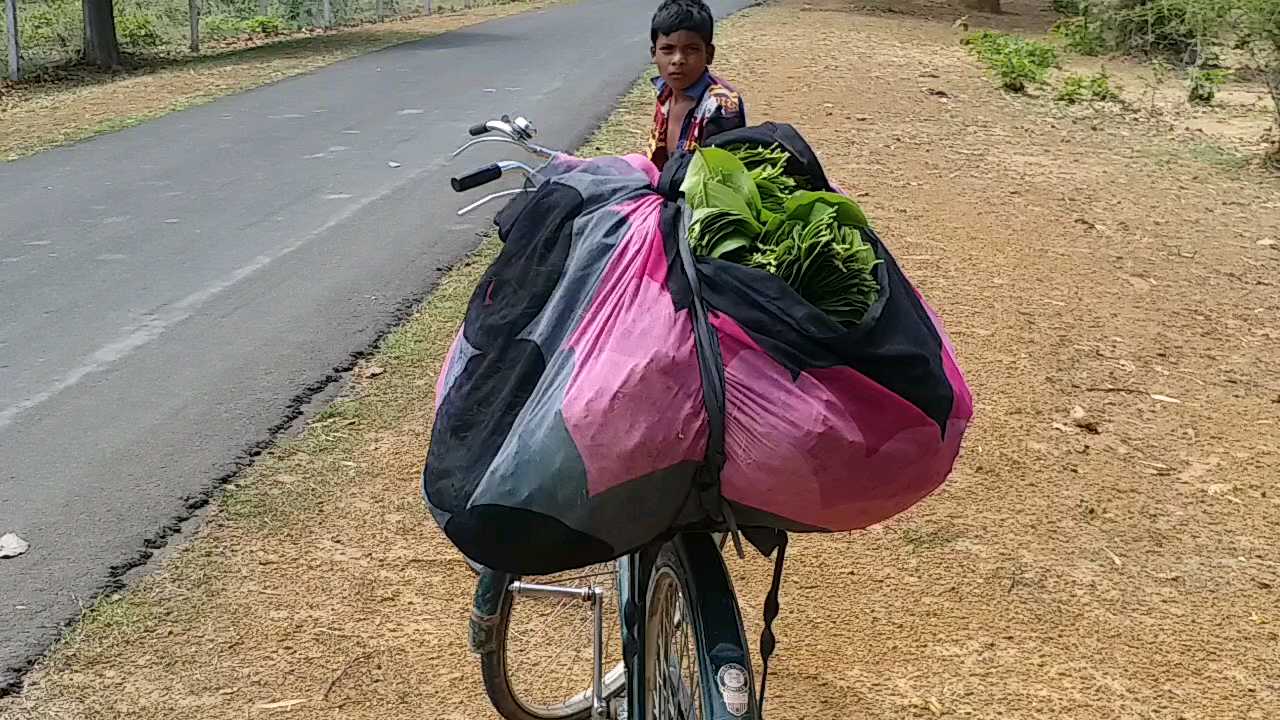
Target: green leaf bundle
<point x="747" y="210"/>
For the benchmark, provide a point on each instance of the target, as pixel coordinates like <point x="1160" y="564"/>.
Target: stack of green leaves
<point x="768" y="167"/>
<point x="747" y="210"/>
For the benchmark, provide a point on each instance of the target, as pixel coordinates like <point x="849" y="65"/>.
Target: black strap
<point x="711" y="368"/>
<point x="771" y="607"/>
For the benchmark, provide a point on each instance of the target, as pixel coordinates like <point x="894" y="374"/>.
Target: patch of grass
<point x="1217" y="156"/>
<point x="1166" y="155"/>
<point x="1077" y="88"/>
<point x="921" y="539"/>
<point x="1016" y="62"/>
<point x="109" y="621"/>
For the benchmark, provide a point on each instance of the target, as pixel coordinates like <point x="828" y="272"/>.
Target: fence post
<point x="15" y="57"/>
<point x="195" y="25"/>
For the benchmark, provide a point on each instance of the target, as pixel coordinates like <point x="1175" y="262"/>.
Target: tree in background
<point x="101" y="48"/>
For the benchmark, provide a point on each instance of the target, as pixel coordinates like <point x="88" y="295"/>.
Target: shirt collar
<point x="696" y="90"/>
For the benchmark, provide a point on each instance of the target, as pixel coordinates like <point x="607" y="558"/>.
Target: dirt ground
<point x="1119" y="560"/>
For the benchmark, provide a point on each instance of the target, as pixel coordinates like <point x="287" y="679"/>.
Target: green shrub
<point x="1015" y="62"/>
<point x="1070" y="8"/>
<point x="1203" y="85"/>
<point x="138" y="32"/>
<point x="218" y="27"/>
<point x="1180" y="29"/>
<point x="1077" y="88"/>
<point x="265" y="25"/>
<point x="52" y="27"/>
<point x="296" y="11"/>
<point x="1081" y="36"/>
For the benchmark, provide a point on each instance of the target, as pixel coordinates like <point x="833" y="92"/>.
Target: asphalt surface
<point x="172" y="293"/>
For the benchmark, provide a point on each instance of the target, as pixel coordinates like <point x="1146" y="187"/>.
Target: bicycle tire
<point x="506" y="701"/>
<point x="723" y="663"/>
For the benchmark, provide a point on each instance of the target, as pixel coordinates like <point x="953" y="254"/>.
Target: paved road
<point x="169" y="293"/>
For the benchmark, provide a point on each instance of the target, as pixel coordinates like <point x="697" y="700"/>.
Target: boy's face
<point x="682" y="57"/>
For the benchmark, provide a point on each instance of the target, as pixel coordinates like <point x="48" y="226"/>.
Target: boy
<point x="692" y="103"/>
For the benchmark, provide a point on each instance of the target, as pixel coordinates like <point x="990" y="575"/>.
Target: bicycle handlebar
<point x="476" y="178"/>
<point x="519" y="132"/>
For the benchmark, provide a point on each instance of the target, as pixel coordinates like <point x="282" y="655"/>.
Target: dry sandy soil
<point x="1123" y="562"/>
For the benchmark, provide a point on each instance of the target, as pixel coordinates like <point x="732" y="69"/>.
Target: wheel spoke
<point x="675" y="687"/>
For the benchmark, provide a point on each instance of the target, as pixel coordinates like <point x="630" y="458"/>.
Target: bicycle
<point x="683" y="653"/>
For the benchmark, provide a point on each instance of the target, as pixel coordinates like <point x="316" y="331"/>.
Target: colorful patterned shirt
<point x="717" y="108"/>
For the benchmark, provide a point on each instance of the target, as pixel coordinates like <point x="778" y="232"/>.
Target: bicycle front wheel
<point x="690" y="609"/>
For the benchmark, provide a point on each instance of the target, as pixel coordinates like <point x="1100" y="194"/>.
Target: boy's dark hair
<point x="672" y="16"/>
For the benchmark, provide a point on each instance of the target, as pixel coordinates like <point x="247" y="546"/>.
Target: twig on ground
<point x="1114" y="558"/>
<point x="1108" y="388"/>
<point x="342" y="672"/>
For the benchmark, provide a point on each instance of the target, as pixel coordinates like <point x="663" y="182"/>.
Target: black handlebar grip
<point x="477" y="130"/>
<point x="475" y="179"/>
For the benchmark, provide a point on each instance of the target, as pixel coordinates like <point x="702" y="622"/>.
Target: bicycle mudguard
<point x="491" y="594"/>
<point x="728" y="686"/>
<point x="725" y="662"/>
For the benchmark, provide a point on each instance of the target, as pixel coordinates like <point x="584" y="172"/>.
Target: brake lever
<point x="504" y="127"/>
<point x="471" y="143"/>
<point x="494" y="196"/>
<point x="535" y="149"/>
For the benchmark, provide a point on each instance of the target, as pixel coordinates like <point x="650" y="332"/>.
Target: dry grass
<point x="1060" y="574"/>
<point x="40" y="115"/>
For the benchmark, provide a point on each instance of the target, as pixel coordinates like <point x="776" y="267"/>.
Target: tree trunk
<point x="328" y="14"/>
<point x="15" y="56"/>
<point x="194" y="13"/>
<point x="100" y="45"/>
<point x="984" y="6"/>
<point x="263" y="7"/>
<point x="426" y="7"/>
